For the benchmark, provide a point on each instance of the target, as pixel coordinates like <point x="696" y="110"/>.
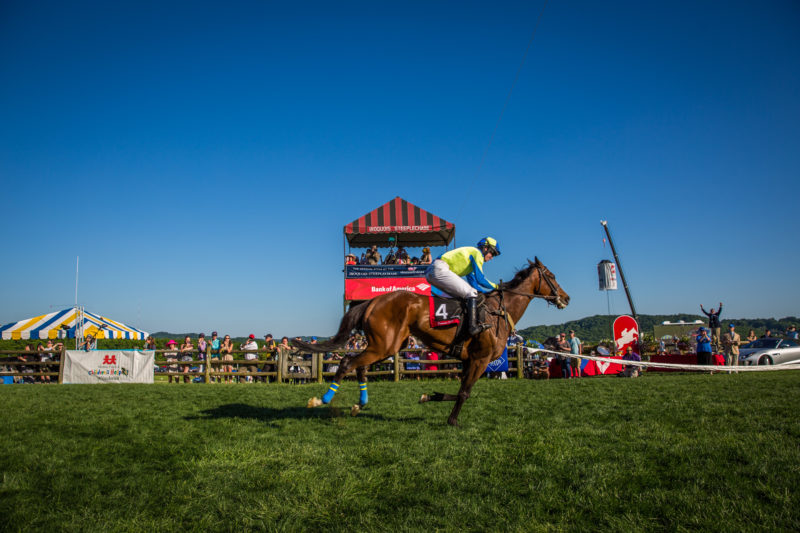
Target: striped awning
<point x="64" y="324"/>
<point x="410" y="226"/>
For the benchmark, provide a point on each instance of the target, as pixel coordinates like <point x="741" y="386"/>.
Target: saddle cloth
<point x="445" y="311"/>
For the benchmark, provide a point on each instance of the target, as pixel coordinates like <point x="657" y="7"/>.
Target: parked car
<point x="770" y="351"/>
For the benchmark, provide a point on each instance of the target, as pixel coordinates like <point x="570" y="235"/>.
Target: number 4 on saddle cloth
<point x="449" y="311"/>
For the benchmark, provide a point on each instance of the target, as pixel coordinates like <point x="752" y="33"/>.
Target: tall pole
<point x="78" y="318"/>
<point x="619" y="267"/>
<point x="77" y="263"/>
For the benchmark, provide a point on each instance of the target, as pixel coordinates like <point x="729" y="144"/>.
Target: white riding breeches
<point x="440" y="276"/>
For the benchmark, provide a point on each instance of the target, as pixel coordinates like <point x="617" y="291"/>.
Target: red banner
<point x="366" y="289"/>
<point x="626" y="333"/>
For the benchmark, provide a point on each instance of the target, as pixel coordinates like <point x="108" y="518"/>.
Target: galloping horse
<point x="387" y="321"/>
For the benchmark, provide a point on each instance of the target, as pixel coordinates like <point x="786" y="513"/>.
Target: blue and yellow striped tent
<point x="64" y="324"/>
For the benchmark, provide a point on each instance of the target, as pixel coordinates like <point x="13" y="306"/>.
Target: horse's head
<point x="547" y="286"/>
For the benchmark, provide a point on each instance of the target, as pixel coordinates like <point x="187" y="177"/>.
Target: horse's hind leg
<point x="360" y="362"/>
<point x="361" y="373"/>
<point x="344" y="368"/>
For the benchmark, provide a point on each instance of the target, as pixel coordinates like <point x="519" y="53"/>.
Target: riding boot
<point x="472" y="318"/>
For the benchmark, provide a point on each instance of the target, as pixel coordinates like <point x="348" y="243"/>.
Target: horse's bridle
<point x="553" y="298"/>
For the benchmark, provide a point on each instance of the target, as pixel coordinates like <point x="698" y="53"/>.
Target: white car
<point x="770" y="351"/>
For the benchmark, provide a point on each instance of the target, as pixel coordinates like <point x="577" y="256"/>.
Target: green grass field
<point x="664" y="452"/>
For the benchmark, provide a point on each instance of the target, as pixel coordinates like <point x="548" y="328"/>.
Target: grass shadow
<point x="270" y="415"/>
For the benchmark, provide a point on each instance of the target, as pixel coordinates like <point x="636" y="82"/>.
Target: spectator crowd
<point x="253" y="360"/>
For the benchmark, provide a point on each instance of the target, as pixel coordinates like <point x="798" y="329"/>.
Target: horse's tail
<point x="353" y="319"/>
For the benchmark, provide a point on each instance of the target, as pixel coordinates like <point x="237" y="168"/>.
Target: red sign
<point x="368" y="288"/>
<point x="626" y="333"/>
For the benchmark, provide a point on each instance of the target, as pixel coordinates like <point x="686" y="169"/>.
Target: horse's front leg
<point x="472" y="372"/>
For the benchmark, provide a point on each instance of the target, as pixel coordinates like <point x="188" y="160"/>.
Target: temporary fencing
<point x="283" y="365"/>
<point x="676" y="366"/>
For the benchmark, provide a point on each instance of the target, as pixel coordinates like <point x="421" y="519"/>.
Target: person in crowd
<point x="576" y="348"/>
<point x="202" y="349"/>
<point x="52" y="353"/>
<point x="431" y="356"/>
<point x="43" y="357"/>
<point x="514" y="338"/>
<point x="149" y="343"/>
<point x="630" y="371"/>
<point x="171" y="357"/>
<point x="713" y="323"/>
<point x="402" y="256"/>
<point x="251" y="354"/>
<point x="350" y="259"/>
<point x="269" y="348"/>
<point x="391" y="258"/>
<point x="767" y="334"/>
<point x="187" y="349"/>
<point x="373" y="255"/>
<point x="703" y="347"/>
<point x="446" y="272"/>
<point x="563" y="360"/>
<point x="26" y="357"/>
<point x="751" y="336"/>
<point x="411" y="353"/>
<point x="425" y="258"/>
<point x="730" y="343"/>
<point x="214" y="345"/>
<point x="226" y="349"/>
<point x="662" y="347"/>
<point x="90" y="343"/>
<point x="791" y="332"/>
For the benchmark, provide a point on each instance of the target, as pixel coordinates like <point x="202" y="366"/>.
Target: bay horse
<point x="387" y="321"/>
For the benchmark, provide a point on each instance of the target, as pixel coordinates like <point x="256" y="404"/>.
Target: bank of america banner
<point x="109" y="366"/>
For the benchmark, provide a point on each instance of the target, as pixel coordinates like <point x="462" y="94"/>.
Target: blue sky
<point x="202" y="158"/>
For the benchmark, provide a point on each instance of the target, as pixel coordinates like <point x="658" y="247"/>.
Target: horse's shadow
<point x="271" y="415"/>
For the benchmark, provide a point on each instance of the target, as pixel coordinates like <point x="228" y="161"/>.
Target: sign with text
<point x="108" y="366"/>
<point x="384" y="271"/>
<point x="366" y="289"/>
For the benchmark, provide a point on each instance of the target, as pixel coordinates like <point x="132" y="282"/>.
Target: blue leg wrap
<point x="363" y="397"/>
<point x="331" y="391"/>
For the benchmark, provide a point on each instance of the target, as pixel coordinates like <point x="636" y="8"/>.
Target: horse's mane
<point x="521" y="275"/>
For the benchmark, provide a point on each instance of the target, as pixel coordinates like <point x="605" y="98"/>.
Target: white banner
<point x="108" y="366"/>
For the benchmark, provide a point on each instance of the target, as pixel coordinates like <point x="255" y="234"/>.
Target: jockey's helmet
<point x="490" y="244"/>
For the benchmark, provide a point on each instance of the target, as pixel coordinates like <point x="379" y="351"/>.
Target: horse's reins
<point x="550" y="299"/>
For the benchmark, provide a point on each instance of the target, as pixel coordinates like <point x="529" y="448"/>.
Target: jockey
<point x="459" y="273"/>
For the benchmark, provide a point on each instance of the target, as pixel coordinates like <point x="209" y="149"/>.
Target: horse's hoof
<point x="424" y="398"/>
<point x="355" y="410"/>
<point x="314" y="402"/>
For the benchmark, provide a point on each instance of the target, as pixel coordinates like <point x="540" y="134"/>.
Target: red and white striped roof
<point x="410" y="225"/>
